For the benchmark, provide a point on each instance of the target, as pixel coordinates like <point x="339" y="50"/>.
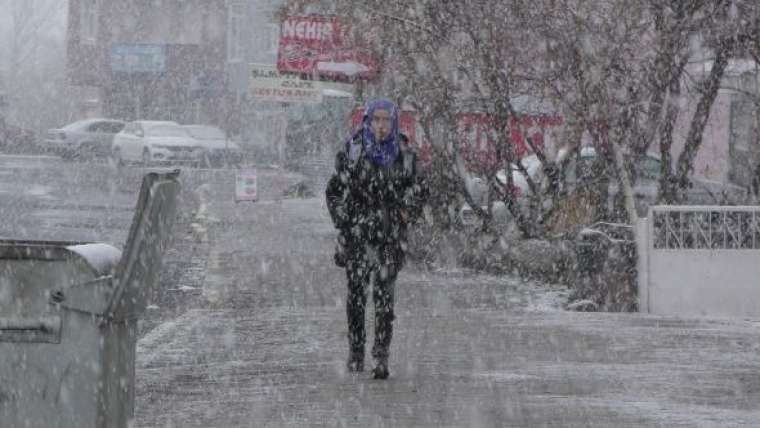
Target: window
<point x="97" y="127"/>
<point x="108" y="127"/>
<point x="234" y="31"/>
<point x="116" y="127"/>
<point x="88" y="24"/>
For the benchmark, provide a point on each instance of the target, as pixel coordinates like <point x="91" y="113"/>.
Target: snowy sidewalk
<point x="279" y="367"/>
<point x="268" y="348"/>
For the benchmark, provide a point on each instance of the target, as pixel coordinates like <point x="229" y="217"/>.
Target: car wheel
<point x="116" y="156"/>
<point x="86" y="152"/>
<point x="146" y="161"/>
<point x="77" y="153"/>
<point x="204" y="162"/>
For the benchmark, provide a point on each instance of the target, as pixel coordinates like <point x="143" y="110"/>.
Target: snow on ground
<point x="469" y="349"/>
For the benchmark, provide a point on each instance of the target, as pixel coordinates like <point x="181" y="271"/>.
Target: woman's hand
<point x="404" y="215"/>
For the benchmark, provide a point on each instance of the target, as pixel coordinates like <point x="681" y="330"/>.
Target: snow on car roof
<point x="205" y="131"/>
<point x="156" y="122"/>
<point x="85" y="122"/>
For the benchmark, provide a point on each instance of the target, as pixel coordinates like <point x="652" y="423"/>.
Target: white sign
<point x="268" y="85"/>
<point x="349" y="68"/>
<point x="246" y="188"/>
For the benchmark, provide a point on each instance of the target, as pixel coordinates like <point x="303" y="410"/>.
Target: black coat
<point x="373" y="205"/>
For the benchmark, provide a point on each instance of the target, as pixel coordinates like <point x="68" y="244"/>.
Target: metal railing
<point x="705" y="227"/>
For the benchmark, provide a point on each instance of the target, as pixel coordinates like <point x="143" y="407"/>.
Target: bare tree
<point x="614" y="69"/>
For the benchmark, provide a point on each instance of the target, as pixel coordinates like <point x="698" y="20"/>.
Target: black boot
<point x="381" y="369"/>
<point x="355" y="362"/>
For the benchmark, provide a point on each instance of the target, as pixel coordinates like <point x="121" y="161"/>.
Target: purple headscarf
<point x="384" y="152"/>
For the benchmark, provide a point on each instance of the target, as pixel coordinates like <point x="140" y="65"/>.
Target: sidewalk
<point x="267" y="348"/>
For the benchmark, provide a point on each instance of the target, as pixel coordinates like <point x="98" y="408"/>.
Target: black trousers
<point x="360" y="269"/>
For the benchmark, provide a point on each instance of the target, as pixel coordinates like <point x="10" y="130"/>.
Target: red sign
<point x="478" y="136"/>
<point x="316" y="45"/>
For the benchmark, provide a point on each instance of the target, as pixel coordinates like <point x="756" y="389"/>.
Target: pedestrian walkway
<point x="284" y="367"/>
<point x="469" y="350"/>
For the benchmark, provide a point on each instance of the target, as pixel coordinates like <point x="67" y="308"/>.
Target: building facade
<point x="150" y="59"/>
<point x="279" y="131"/>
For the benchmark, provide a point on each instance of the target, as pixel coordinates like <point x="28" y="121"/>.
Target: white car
<point x="702" y="192"/>
<point x="87" y="138"/>
<point x="150" y="142"/>
<point x="477" y="188"/>
<point x="217" y="149"/>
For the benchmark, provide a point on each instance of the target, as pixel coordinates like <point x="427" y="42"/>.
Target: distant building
<point x="253" y="33"/>
<point x="150" y="59"/>
<point x="280" y="131"/>
<point x="183" y="60"/>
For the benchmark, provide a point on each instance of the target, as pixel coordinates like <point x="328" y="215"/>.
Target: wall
<point x="695" y="278"/>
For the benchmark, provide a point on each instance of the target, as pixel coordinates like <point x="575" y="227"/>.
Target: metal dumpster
<point x="606" y="269"/>
<point x="595" y="244"/>
<point x="68" y="319"/>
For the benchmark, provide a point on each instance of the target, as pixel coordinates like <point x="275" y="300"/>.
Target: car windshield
<point x="76" y="126"/>
<point x="167" y="131"/>
<point x="206" y="132"/>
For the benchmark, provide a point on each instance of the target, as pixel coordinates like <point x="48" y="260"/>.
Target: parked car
<point x="217" y="149"/>
<point x="702" y="191"/>
<point x="84" y="139"/>
<point x="16" y="139"/>
<point x="477" y="188"/>
<point x="149" y="142"/>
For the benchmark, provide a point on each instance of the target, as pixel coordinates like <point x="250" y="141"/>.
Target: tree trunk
<point x="625" y="184"/>
<point x="667" y="191"/>
<point x="685" y="164"/>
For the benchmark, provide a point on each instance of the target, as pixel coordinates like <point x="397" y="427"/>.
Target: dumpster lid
<point x="101" y="258"/>
<point x="137" y="273"/>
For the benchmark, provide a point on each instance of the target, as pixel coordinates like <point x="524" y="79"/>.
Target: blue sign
<point x="138" y="58"/>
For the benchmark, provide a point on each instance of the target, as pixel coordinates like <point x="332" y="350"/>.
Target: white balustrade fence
<point x="700" y="260"/>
